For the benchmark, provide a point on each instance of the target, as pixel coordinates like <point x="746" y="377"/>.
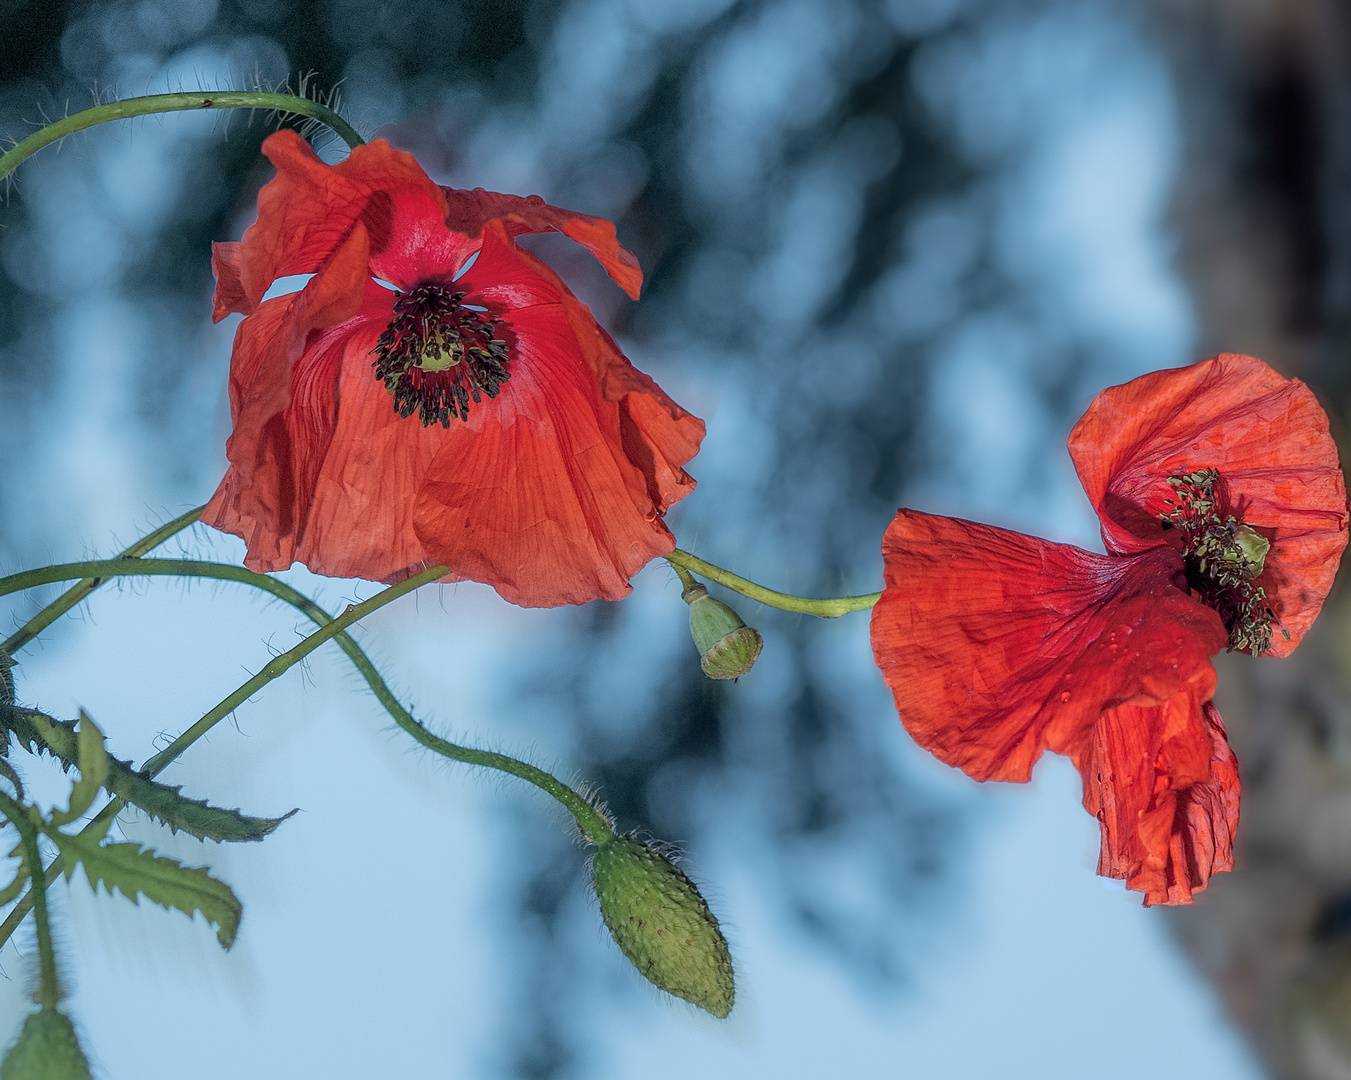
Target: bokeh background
<point x="893" y="248"/>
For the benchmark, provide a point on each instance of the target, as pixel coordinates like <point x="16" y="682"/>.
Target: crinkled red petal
<point x="657" y="435"/>
<point x="307" y="212"/>
<point x="1269" y="439"/>
<point x="345" y="467"/>
<point x="998" y="646"/>
<point x="552" y="493"/>
<point x="258" y="497"/>
<point x="469" y="211"/>
<point x="229" y="297"/>
<point x="1163" y="784"/>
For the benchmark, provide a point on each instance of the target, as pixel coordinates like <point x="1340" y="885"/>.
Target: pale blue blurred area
<point x="379" y="936"/>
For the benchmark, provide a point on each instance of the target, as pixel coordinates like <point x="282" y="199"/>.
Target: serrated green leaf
<point x="162" y="802"/>
<point x="193" y="816"/>
<point x="46" y="1049"/>
<point x="93" y="764"/>
<point x="167" y="882"/>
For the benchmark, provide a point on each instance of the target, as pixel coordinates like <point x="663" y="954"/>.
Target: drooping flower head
<point x="1224" y="515"/>
<point x="435" y="393"/>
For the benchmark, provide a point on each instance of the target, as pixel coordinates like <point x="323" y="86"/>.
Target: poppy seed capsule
<point x="47" y="1049"/>
<point x="728" y="648"/>
<point x="662" y="924"/>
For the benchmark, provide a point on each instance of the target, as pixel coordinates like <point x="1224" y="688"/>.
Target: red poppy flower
<point x="1224" y="515"/>
<point x="434" y="393"/>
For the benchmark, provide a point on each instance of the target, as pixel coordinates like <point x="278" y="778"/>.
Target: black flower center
<point x="1223" y="557"/>
<point x="437" y="353"/>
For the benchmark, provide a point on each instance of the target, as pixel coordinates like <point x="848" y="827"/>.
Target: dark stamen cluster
<point x="1219" y="568"/>
<point x="437" y="353"/>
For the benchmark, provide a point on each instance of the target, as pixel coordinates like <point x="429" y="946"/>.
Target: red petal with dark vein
<point x="998" y="646"/>
<point x="538" y="494"/>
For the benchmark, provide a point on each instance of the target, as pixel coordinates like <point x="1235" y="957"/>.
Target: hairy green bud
<point x="662" y="924"/>
<point x="728" y="648"/>
<point x="47" y="1049"/>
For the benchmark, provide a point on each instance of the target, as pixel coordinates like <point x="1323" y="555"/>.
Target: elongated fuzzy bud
<point x="47" y="1049"/>
<point x="662" y="924"/>
<point x="728" y="648"/>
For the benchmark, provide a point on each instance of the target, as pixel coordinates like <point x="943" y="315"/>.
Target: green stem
<point x="162" y="103"/>
<point x="106" y="569"/>
<point x="76" y="593"/>
<point x="591" y="823"/>
<point x="831" y="608"/>
<point x="278" y="665"/>
<point x="49" y="988"/>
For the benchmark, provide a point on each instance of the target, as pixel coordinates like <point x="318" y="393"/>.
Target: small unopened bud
<point x="47" y="1049"/>
<point x="662" y="924"/>
<point x="728" y="648"/>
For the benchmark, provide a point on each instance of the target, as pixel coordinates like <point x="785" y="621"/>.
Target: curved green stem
<point x="162" y="103"/>
<point x="49" y="988"/>
<point x="107" y="569"/>
<point x="278" y="665"/>
<point x="72" y="596"/>
<point x="830" y="608"/>
<point x="591" y="823"/>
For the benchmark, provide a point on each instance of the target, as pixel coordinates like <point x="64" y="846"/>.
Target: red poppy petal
<point x="359" y="519"/>
<point x="535" y="494"/>
<point x="257" y="498"/>
<point x="998" y="646"/>
<point x="1163" y="784"/>
<point x="1269" y="439"/>
<point x="309" y="209"/>
<point x="657" y="435"/>
<point x="469" y="211"/>
<point x="230" y="297"/>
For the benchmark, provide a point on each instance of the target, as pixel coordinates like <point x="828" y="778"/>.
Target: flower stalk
<point x="290" y="104"/>
<point x="829" y="608"/>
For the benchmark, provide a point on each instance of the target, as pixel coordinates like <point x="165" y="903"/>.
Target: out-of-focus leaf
<point x="93" y="764"/>
<point x="132" y="870"/>
<point x="196" y="817"/>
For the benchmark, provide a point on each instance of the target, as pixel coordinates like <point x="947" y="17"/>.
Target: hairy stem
<point x="589" y="821"/>
<point x="830" y="608"/>
<point x="279" y="665"/>
<point x="49" y="988"/>
<point x="162" y="103"/>
<point x="72" y="596"/>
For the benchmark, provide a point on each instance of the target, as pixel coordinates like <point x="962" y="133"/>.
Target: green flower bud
<point x="728" y="648"/>
<point x="47" y="1049"/>
<point x="662" y="924"/>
